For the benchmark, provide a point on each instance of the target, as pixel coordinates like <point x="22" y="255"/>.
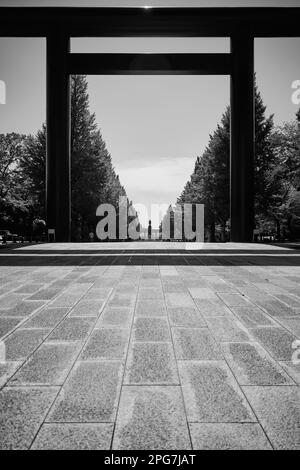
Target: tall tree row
<point x="276" y="176"/>
<point x="94" y="179"/>
<point x="23" y="169"/>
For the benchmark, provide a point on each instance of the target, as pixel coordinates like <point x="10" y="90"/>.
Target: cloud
<point x="165" y="176"/>
<point x="157" y="183"/>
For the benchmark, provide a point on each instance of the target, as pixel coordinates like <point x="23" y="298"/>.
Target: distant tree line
<point x="276" y="178"/>
<point x="23" y="172"/>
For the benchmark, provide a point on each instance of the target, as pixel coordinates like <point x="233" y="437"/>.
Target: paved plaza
<point x="150" y="346"/>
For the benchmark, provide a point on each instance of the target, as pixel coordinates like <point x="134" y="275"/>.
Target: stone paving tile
<point x="22" y="309"/>
<point x="251" y="316"/>
<point x="212" y="308"/>
<point x="251" y="292"/>
<point x="288" y="299"/>
<point x="60" y="283"/>
<point x="115" y="317"/>
<point x="227" y="289"/>
<point x="295" y="292"/>
<point x="125" y="288"/>
<point x="49" y="365"/>
<point x="67" y="299"/>
<point x="228" y="436"/>
<point x="149" y="275"/>
<point x="9" y="301"/>
<point x="97" y="294"/>
<point x="44" y="294"/>
<point x="180" y="299"/>
<point x="203" y="293"/>
<point x="106" y="343"/>
<point x="150" y="293"/>
<point x="86" y="280"/>
<point x="22" y="342"/>
<point x="195" y="344"/>
<point x="77" y="289"/>
<point x="227" y="330"/>
<point x="72" y="329"/>
<point x="211" y="393"/>
<point x="6" y="288"/>
<point x="293" y="370"/>
<point x="195" y="283"/>
<point x="151" y="363"/>
<point x="284" y="283"/>
<point x="174" y="287"/>
<point x="151" y="307"/>
<point x="168" y="270"/>
<point x="151" y="329"/>
<point x="217" y="284"/>
<point x="8" y="324"/>
<point x="7" y="369"/>
<point x="181" y="316"/>
<point x="293" y="278"/>
<point x="251" y="365"/>
<point x="269" y="287"/>
<point x="278" y="411"/>
<point x="29" y="288"/>
<point x="234" y="300"/>
<point x="277" y="341"/>
<point x="90" y="394"/>
<point x="105" y="282"/>
<point x="122" y="300"/>
<point x="275" y="308"/>
<point x="22" y="412"/>
<point x="46" y="318"/>
<point x="87" y="308"/>
<point x="67" y="436"/>
<point x="153" y="283"/>
<point x="151" y="418"/>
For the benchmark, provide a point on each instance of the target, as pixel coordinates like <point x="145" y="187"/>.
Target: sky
<point x="154" y="127"/>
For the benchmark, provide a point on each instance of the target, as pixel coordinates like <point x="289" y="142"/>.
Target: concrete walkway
<point x="149" y="346"/>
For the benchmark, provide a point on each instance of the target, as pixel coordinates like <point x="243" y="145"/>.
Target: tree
<point x="283" y="179"/>
<point x="264" y="156"/>
<point x="210" y="182"/>
<point x="15" y="200"/>
<point x="93" y="178"/>
<point x="33" y="165"/>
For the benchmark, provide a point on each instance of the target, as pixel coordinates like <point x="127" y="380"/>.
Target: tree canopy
<point x="276" y="176"/>
<point x="23" y="171"/>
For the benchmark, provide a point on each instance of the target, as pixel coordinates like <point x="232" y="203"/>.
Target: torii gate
<point x="59" y="24"/>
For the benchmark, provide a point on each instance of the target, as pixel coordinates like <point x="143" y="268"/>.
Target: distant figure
<point x="38" y="228"/>
<point x="91" y="236"/>
<point x="149" y="230"/>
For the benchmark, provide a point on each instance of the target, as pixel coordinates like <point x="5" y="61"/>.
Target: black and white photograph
<point x="150" y="228"/>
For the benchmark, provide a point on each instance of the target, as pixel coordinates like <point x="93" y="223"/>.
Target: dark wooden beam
<point x="242" y="139"/>
<point x="58" y="167"/>
<point x="150" y="64"/>
<point x="176" y="22"/>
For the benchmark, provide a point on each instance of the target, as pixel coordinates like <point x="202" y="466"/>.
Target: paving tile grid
<point x="136" y="349"/>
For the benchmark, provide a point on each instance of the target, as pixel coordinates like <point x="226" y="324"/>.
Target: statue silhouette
<point x="149" y="230"/>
